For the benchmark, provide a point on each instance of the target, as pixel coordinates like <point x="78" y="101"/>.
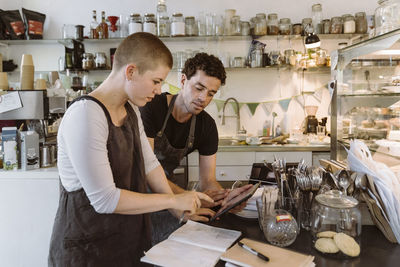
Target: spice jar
<point x="335" y="212"/>
<point x="361" y="22"/>
<point x="326" y="26"/>
<point x="177" y="25"/>
<point x="260" y="26"/>
<point x="272" y="24"/>
<point x="307" y="26"/>
<point x="135" y="24"/>
<point x="163" y="26"/>
<point x="285" y="26"/>
<point x="149" y="24"/>
<point x="297" y="28"/>
<point x="349" y="24"/>
<point x="245" y="28"/>
<point x="235" y="26"/>
<point x="190" y="26"/>
<point x="88" y="61"/>
<point x="336" y="25"/>
<point x="100" y="60"/>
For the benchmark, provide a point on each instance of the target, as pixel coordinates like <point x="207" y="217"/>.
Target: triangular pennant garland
<point x="268" y="107"/>
<point x="284" y="103"/>
<point x="252" y="107"/>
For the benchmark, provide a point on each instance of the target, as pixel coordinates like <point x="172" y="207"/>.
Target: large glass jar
<point x="135" y="24"/>
<point x="317" y="17"/>
<point x="235" y="26"/>
<point x="326" y="26"/>
<point x="273" y="24"/>
<point x="190" y="26"/>
<point x="260" y="26"/>
<point x="88" y="61"/>
<point x="336" y="222"/>
<point x="307" y="26"/>
<point x="163" y="26"/>
<point x="245" y="28"/>
<point x="100" y="60"/>
<point x="387" y="16"/>
<point x="336" y="25"/>
<point x="297" y="28"/>
<point x="349" y="24"/>
<point x="361" y="22"/>
<point x="177" y="25"/>
<point x="149" y="24"/>
<point x="285" y="26"/>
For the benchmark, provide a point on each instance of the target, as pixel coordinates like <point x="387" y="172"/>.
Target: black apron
<point x="83" y="237"/>
<point x="164" y="223"/>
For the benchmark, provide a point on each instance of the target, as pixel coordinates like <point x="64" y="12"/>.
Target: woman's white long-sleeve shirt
<point x="83" y="157"/>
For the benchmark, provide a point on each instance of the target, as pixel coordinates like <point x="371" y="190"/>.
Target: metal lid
<point x="336" y="199"/>
<point x="177" y="15"/>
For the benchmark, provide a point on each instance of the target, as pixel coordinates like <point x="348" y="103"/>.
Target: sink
<point x="228" y="141"/>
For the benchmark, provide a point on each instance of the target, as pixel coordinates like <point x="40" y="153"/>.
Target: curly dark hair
<point x="210" y="64"/>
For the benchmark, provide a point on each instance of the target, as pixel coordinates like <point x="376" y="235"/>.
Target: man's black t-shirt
<point x="205" y="135"/>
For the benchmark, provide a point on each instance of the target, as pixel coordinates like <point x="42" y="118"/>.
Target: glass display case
<point x="365" y="102"/>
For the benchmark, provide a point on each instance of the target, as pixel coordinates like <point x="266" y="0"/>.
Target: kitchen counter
<point x="375" y="249"/>
<point x="274" y="148"/>
<point x="42" y="173"/>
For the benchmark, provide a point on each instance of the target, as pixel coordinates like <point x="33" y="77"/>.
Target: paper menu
<point x="278" y="256"/>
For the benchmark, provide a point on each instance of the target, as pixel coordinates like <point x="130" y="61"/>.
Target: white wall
<point x="245" y="85"/>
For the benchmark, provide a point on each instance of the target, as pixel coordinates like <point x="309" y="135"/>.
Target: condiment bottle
<point x="93" y="26"/>
<point x="161" y="12"/>
<point x="102" y="28"/>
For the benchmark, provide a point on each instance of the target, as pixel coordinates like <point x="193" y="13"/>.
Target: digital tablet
<point x="236" y="201"/>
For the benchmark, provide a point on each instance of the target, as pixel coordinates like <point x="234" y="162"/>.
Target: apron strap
<point x="190" y="140"/>
<point x="170" y="108"/>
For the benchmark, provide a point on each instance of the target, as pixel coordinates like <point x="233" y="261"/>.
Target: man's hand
<point x="217" y="195"/>
<point x="234" y="193"/>
<point x="201" y="215"/>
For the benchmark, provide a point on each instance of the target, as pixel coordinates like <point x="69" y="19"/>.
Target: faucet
<point x="237" y="115"/>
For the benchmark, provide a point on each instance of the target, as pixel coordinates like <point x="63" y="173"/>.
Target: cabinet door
<point x="224" y="173"/>
<point x="292" y="156"/>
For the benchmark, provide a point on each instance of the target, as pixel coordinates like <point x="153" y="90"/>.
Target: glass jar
<point x="190" y="26"/>
<point x="361" y="23"/>
<point x="257" y="57"/>
<point x="349" y="24"/>
<point x="307" y="26"/>
<point x="177" y="25"/>
<point x="235" y="26"/>
<point x="163" y="26"/>
<point x="280" y="228"/>
<point x="317" y="18"/>
<point x="387" y="16"/>
<point x="321" y="58"/>
<point x="149" y="24"/>
<point x="336" y="25"/>
<point x="135" y="24"/>
<point x="272" y="24"/>
<point x="285" y="26"/>
<point x="290" y="54"/>
<point x="334" y="213"/>
<point x="100" y="60"/>
<point x="245" y="28"/>
<point x="260" y="26"/>
<point x="297" y="29"/>
<point x="326" y="26"/>
<point x="88" y="61"/>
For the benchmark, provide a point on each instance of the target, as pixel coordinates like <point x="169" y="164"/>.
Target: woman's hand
<point x="201" y="215"/>
<point x="190" y="201"/>
<point x="217" y="195"/>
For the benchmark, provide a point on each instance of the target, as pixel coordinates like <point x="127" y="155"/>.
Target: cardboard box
<point x="10" y="148"/>
<point x="30" y="150"/>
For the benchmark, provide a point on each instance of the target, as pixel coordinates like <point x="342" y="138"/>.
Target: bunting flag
<point x="267" y="106"/>
<point x="284" y="103"/>
<point x="318" y="94"/>
<point x="252" y="107"/>
<point x="219" y="104"/>
<point x="300" y="99"/>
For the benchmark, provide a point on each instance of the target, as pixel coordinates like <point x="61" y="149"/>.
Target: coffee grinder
<point x="311" y="122"/>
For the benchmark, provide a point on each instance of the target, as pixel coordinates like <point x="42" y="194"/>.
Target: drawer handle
<point x="222" y="173"/>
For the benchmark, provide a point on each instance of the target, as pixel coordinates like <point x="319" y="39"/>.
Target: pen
<point x="258" y="254"/>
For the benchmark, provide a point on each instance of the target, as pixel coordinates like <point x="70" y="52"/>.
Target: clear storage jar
<point x="177" y="25"/>
<point x="245" y="28"/>
<point x="280" y="228"/>
<point x="326" y="26"/>
<point x="334" y="213"/>
<point x="273" y="24"/>
<point x="163" y="26"/>
<point x="317" y="18"/>
<point x="336" y="25"/>
<point x="149" y="24"/>
<point x="349" y="24"/>
<point x="260" y="26"/>
<point x="285" y="26"/>
<point x="297" y="29"/>
<point x="387" y="16"/>
<point x="307" y="26"/>
<point x="190" y="26"/>
<point x="88" y="61"/>
<point x="135" y="24"/>
<point x="235" y="26"/>
<point x="100" y="60"/>
<point x="361" y="22"/>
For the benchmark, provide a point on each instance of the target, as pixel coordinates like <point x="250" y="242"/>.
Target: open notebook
<point x="278" y="257"/>
<point x="193" y="244"/>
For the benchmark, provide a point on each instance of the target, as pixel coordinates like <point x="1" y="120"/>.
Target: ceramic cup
<point x="3" y="81"/>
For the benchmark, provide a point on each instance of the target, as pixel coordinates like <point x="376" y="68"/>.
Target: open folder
<point x="278" y="257"/>
<point x="193" y="244"/>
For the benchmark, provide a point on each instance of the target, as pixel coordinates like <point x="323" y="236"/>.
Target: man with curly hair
<point x="176" y="125"/>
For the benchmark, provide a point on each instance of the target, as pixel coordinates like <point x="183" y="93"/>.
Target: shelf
<point x="380" y="94"/>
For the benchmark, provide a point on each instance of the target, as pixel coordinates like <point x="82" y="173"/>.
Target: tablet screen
<point x="236" y="201"/>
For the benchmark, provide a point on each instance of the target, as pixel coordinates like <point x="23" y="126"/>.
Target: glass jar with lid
<point x="326" y="26"/>
<point x="361" y="22"/>
<point x="336" y="217"/>
<point x="280" y="228"/>
<point x="177" y="25"/>
<point x="163" y="26"/>
<point x="273" y="24"/>
<point x="88" y="61"/>
<point x="387" y="16"/>
<point x="235" y="26"/>
<point x="336" y="25"/>
<point x="317" y="17"/>
<point x="135" y="23"/>
<point x="100" y="60"/>
<point x="285" y="26"/>
<point x="349" y="24"/>
<point x="149" y="24"/>
<point x="260" y="26"/>
<point x="307" y="26"/>
<point x="245" y="28"/>
<point x="297" y="29"/>
<point x="190" y="26"/>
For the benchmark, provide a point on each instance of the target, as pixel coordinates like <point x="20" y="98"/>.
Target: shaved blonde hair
<point x="145" y="50"/>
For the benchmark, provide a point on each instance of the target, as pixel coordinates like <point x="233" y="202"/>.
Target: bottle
<point x="93" y="26"/>
<point x="161" y="12"/>
<point x="316" y="17"/>
<point x="102" y="28"/>
<point x="278" y="131"/>
<point x="266" y="128"/>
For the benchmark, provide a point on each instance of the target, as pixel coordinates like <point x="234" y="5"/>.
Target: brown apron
<point x="164" y="223"/>
<point x="83" y="237"/>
